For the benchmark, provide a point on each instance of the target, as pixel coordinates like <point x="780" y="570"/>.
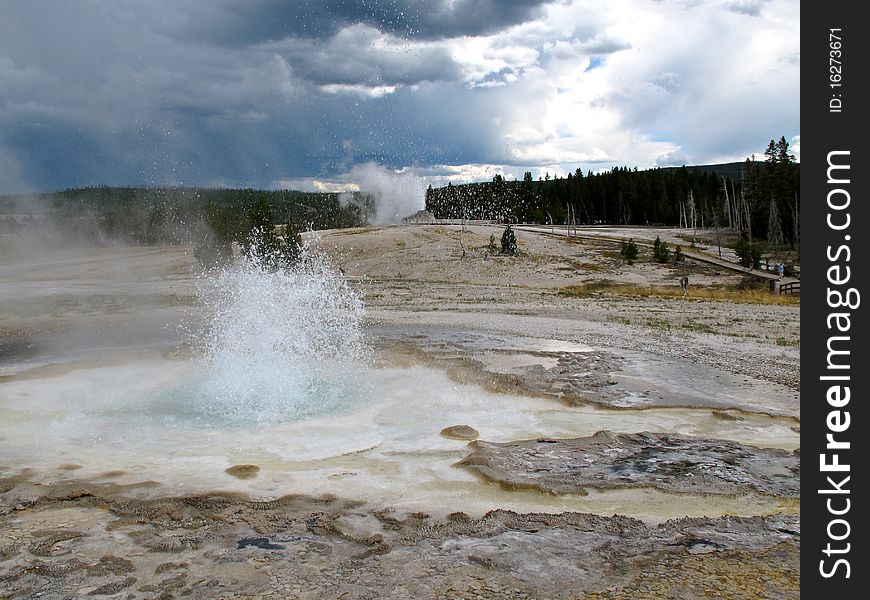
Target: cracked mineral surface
<point x="79" y="539"/>
<point x="666" y="461"/>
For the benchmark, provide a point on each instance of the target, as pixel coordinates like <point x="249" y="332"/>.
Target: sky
<point x="315" y="95"/>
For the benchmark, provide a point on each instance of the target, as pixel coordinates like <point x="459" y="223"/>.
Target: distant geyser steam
<point x="397" y="194"/>
<point x="283" y="343"/>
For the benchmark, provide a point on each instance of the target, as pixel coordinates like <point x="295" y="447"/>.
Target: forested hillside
<point x="756" y="198"/>
<point x="175" y="215"/>
<point x="760" y="198"/>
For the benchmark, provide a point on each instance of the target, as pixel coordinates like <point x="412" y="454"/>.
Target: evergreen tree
<point x="629" y="251"/>
<point x="527" y="198"/>
<point x="509" y="242"/>
<point x="661" y="252"/>
<point x="749" y="254"/>
<point x="782" y="154"/>
<point x="771" y="154"/>
<point x="633" y="197"/>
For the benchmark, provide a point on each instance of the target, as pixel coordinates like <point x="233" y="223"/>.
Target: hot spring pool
<point x="130" y="422"/>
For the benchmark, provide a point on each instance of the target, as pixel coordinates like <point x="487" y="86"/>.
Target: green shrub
<point x="629" y="251"/>
<point x="748" y="253"/>
<point x="678" y="254"/>
<point x="661" y="252"/>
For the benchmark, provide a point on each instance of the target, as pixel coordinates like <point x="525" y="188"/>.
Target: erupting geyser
<point x="282" y="343"/>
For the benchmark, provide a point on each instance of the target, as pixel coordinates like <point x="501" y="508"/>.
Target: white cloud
<point x="360" y="90"/>
<point x="482" y="58"/>
<point x="690" y="87"/>
<point x="310" y="184"/>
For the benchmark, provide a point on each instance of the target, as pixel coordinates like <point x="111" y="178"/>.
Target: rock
<point x="460" y="432"/>
<point x="243" y="471"/>
<point x="112" y="587"/>
<point x="726" y="416"/>
<point x="665" y="461"/>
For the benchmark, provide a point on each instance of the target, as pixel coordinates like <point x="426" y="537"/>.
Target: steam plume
<point x="397" y="195"/>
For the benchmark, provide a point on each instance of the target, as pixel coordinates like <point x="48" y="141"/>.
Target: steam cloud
<point x="397" y="195"/>
<point x="11" y="181"/>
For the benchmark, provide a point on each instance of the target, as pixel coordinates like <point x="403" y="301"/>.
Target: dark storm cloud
<point x="251" y="22"/>
<point x="109" y="92"/>
<point x="360" y="54"/>
<point x="321" y="135"/>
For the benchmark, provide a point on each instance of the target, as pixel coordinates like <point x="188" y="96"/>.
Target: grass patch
<point x="587" y="289"/>
<point x="781" y="341"/>
<point x="742" y="335"/>
<point x="699" y="327"/>
<point x="356" y="230"/>
<point x="739" y="296"/>
<point x="658" y="324"/>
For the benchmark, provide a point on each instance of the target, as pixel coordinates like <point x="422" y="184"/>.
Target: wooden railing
<point x="791" y="288"/>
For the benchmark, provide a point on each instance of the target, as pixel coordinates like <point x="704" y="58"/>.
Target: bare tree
<point x="774" y="226"/>
<point x="796" y="222"/>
